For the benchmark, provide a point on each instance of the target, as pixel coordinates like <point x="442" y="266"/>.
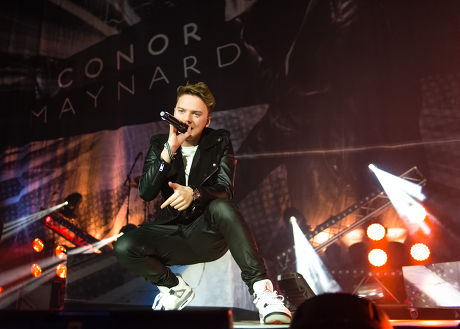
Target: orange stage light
<point x="37" y="245"/>
<point x="420" y="251"/>
<point x="61" y="271"/>
<point x="376" y="231"/>
<point x="60" y="252"/>
<point x="36" y="270"/>
<point x="377" y="257"/>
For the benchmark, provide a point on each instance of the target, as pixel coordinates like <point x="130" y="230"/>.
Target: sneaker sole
<point x="276" y="318"/>
<point x="188" y="300"/>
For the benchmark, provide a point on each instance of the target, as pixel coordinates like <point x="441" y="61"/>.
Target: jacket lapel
<point x="198" y="172"/>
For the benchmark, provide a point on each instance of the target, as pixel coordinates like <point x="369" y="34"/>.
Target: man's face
<point x="193" y="111"/>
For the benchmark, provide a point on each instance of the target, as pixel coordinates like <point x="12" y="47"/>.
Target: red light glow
<point x="377" y="257"/>
<point x="36" y="270"/>
<point x="48" y="219"/>
<point x="38" y="245"/>
<point x="61" y="271"/>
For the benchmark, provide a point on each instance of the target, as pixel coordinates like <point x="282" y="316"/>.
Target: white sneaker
<point x="175" y="298"/>
<point x="270" y="304"/>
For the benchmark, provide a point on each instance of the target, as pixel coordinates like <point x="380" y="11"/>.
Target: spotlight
<point x="293" y="214"/>
<point x="48" y="219"/>
<point x="416" y="213"/>
<point x="36" y="270"/>
<point x="61" y="271"/>
<point x="397" y="234"/>
<point x="60" y="252"/>
<point x="376" y="231"/>
<point x="72" y="202"/>
<point x="353" y="237"/>
<point x="420" y="251"/>
<point x="37" y="245"/>
<point x="320" y="238"/>
<point x="377" y="257"/>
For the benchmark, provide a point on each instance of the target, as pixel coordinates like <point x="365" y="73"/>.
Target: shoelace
<point x="272" y="298"/>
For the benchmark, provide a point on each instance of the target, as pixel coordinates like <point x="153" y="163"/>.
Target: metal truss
<point x="356" y="215"/>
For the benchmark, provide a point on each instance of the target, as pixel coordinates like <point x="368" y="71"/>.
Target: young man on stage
<point x="198" y="221"/>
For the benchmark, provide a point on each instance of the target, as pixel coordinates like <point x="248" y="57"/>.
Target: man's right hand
<point x="175" y="140"/>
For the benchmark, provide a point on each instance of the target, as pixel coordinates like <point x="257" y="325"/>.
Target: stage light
<point x="397" y="234"/>
<point x="420" y="252"/>
<point x="353" y="237"/>
<point x="403" y="194"/>
<point x="61" y="271"/>
<point x="14" y="226"/>
<point x="376" y="231"/>
<point x="37" y="245"/>
<point x="48" y="219"/>
<point x="1" y="290"/>
<point x="416" y="213"/>
<point x="310" y="265"/>
<point x="390" y="181"/>
<point x="60" y="252"/>
<point x="320" y="238"/>
<point x="36" y="270"/>
<point x="377" y="257"/>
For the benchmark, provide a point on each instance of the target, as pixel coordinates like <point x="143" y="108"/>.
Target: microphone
<point x="138" y="156"/>
<point x="179" y="125"/>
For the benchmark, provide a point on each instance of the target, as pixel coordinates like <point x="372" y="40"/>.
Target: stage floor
<point x="395" y="323"/>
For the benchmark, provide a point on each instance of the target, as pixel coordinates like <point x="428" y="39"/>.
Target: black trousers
<point x="150" y="248"/>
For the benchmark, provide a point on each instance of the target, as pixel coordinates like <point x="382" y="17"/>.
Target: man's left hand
<point x="180" y="199"/>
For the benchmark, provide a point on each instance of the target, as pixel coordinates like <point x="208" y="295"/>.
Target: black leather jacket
<point x="212" y="173"/>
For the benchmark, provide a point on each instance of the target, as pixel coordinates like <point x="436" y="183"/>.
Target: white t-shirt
<point x="188" y="152"/>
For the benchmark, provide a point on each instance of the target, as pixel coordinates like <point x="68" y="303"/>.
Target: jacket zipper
<point x="212" y="173"/>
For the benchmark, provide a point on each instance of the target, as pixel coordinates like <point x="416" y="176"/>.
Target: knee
<point x="122" y="247"/>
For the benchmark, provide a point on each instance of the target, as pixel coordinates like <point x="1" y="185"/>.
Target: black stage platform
<point x="89" y="316"/>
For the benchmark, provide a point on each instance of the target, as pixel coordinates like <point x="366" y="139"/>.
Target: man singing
<point x="198" y="221"/>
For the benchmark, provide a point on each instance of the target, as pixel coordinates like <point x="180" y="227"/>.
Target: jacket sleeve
<point x="154" y="173"/>
<point x="222" y="186"/>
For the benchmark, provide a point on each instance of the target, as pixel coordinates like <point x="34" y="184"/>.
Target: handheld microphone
<point x="179" y="125"/>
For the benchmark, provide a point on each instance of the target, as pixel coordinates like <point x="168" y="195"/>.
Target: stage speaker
<point x="209" y="319"/>
<point x="295" y="289"/>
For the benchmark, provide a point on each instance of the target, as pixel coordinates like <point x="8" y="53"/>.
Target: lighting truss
<point x="352" y="217"/>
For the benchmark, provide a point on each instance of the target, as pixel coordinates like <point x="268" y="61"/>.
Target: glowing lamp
<point x="377" y="257"/>
<point x="1" y="290"/>
<point x="61" y="271"/>
<point x="36" y="270"/>
<point x="37" y="245"/>
<point x="416" y="213"/>
<point x="321" y="237"/>
<point x="60" y="252"/>
<point x="48" y="219"/>
<point x="420" y="251"/>
<point x="376" y="231"/>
